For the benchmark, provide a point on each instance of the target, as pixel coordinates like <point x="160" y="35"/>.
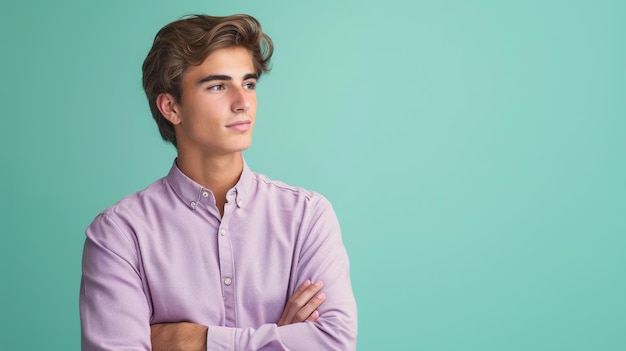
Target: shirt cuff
<point x="220" y="339"/>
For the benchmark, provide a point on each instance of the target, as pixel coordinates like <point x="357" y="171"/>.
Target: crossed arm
<point x="301" y="307"/>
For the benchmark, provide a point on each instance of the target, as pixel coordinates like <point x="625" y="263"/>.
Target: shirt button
<point x="222" y="232"/>
<point x="228" y="281"/>
<point x="205" y="194"/>
<point x="193" y="204"/>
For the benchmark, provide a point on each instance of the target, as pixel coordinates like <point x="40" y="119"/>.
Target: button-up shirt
<point x="165" y="254"/>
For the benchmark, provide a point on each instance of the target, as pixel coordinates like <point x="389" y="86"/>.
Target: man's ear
<point x="168" y="107"/>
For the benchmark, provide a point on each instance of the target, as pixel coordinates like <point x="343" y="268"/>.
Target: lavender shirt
<point x="165" y="255"/>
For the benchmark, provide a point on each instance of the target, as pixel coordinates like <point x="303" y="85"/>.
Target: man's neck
<point x="216" y="173"/>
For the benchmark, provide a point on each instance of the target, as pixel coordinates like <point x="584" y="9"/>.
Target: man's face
<point x="218" y="105"/>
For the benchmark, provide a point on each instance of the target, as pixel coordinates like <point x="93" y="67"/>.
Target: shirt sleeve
<point x="114" y="311"/>
<point x="322" y="257"/>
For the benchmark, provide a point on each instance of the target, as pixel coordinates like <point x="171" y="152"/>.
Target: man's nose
<point x="241" y="102"/>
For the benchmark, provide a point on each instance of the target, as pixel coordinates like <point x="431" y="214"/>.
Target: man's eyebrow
<point x="225" y="77"/>
<point x="214" y="77"/>
<point x="251" y="76"/>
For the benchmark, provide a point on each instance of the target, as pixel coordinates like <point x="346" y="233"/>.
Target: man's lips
<point x="239" y="125"/>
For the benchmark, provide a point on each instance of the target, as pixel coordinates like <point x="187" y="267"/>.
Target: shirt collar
<point x="192" y="193"/>
<point x="243" y="188"/>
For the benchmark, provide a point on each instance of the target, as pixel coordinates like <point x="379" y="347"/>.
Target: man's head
<point x="187" y="43"/>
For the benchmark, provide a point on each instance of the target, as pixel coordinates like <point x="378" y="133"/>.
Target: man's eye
<point x="216" y="87"/>
<point x="250" y="85"/>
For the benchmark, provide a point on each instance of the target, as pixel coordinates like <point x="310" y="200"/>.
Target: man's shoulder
<point x="279" y="191"/>
<point x="277" y="187"/>
<point x="138" y="201"/>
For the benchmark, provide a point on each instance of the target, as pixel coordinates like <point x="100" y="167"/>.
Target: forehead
<point x="233" y="61"/>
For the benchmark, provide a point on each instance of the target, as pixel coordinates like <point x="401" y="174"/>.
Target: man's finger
<point x="298" y="301"/>
<point x="300" y="298"/>
<point x="313" y="317"/>
<point x="307" y="310"/>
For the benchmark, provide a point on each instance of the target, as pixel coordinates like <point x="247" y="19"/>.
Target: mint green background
<point x="475" y="153"/>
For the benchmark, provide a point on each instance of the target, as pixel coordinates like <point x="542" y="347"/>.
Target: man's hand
<point x="302" y="305"/>
<point x="178" y="336"/>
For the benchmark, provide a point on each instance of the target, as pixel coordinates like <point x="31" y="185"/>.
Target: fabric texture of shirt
<point x="165" y="254"/>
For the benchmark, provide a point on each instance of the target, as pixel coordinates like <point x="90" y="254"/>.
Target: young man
<point x="214" y="256"/>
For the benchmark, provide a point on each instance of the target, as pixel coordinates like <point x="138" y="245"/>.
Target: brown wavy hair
<point x="188" y="42"/>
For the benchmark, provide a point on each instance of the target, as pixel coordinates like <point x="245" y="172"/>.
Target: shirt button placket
<point x="227" y="275"/>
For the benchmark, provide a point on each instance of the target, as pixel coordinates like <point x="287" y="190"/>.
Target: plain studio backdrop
<point x="474" y="151"/>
